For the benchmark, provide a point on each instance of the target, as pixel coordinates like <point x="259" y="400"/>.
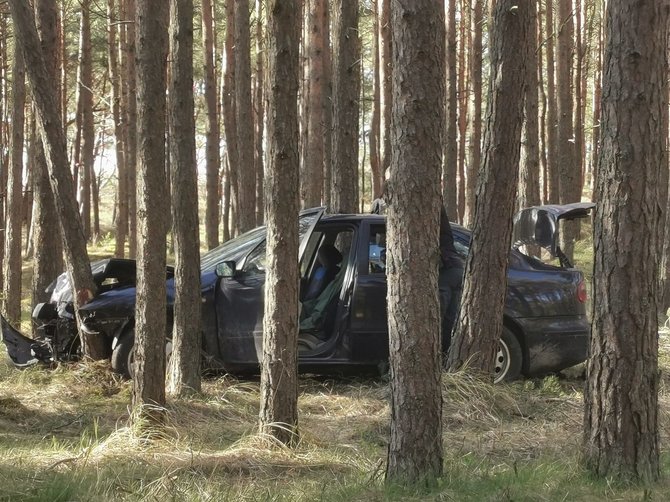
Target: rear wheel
<point x="509" y="358"/>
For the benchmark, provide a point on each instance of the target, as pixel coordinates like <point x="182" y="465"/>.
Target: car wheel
<point x="509" y="358"/>
<point x="123" y="356"/>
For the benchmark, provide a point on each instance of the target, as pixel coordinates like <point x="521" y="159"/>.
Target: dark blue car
<point x="343" y="301"/>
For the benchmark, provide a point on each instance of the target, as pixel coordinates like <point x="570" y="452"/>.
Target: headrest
<point x="329" y="256"/>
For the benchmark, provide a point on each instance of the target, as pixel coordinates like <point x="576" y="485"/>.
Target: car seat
<point x="329" y="259"/>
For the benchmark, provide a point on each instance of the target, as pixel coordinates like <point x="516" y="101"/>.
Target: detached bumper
<point x="24" y="351"/>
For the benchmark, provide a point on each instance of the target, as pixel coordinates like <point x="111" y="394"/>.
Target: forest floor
<point x="65" y="435"/>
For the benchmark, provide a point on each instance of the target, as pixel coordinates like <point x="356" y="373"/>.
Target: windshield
<point x="234" y="246"/>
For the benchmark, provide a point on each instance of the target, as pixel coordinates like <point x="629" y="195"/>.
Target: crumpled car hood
<point x="538" y="225"/>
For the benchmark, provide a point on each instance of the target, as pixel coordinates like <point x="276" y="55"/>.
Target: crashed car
<point x="343" y="323"/>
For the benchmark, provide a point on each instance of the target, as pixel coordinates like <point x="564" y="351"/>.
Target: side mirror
<point x="225" y="269"/>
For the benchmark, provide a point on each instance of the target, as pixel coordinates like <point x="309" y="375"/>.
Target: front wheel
<point x="509" y="358"/>
<point x="123" y="356"/>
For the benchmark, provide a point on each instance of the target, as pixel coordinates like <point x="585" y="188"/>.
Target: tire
<point x="509" y="358"/>
<point x="123" y="356"/>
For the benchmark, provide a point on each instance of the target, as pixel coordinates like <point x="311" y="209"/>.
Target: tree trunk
<point x="259" y="115"/>
<point x="152" y="44"/>
<point x="53" y="138"/>
<point x="244" y="118"/>
<point x="386" y="96"/>
<point x="476" y="113"/>
<point x="229" y="117"/>
<point x="346" y="89"/>
<point x="570" y="173"/>
<point x="415" y="448"/>
<point x="184" y="375"/>
<point x="213" y="160"/>
<point x="449" y="177"/>
<point x="121" y="216"/>
<point x="479" y="324"/>
<point x="279" y="369"/>
<point x="313" y="181"/>
<point x="464" y="91"/>
<point x="377" y="175"/>
<point x="130" y="80"/>
<point x="14" y="220"/>
<point x="327" y="110"/>
<point x="621" y="399"/>
<point x="85" y="118"/>
<point x="553" y="173"/>
<point x="47" y="241"/>
<point x="529" y="179"/>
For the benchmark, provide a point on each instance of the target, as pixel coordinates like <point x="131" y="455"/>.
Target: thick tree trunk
<point x="184" y="375"/>
<point x="346" y="89"/>
<point x="279" y="369"/>
<point x="244" y="118"/>
<point x="152" y="44"/>
<point x="213" y="160"/>
<point x="14" y="220"/>
<point x="621" y="400"/>
<point x="415" y="448"/>
<point x="479" y="324"/>
<point x="53" y="138"/>
<point x="475" y="159"/>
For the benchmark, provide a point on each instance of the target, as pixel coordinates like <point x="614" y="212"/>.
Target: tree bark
<point x="475" y="158"/>
<point x="449" y="176"/>
<point x="152" y="44"/>
<point x="14" y="220"/>
<point x="386" y="95"/>
<point x="553" y="173"/>
<point x="229" y="119"/>
<point x="313" y="181"/>
<point x="244" y="118"/>
<point x="259" y="115"/>
<point x="479" y="325"/>
<point x="377" y="175"/>
<point x="346" y="90"/>
<point x="415" y="448"/>
<point x="279" y="370"/>
<point x="529" y="179"/>
<point x="184" y="375"/>
<point x="53" y="139"/>
<point x="213" y="160"/>
<point x="121" y="216"/>
<point x="621" y="399"/>
<point x="85" y="118"/>
<point x="570" y="184"/>
<point x="130" y="80"/>
<point x="464" y="91"/>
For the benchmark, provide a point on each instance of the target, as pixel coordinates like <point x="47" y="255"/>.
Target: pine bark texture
<point x="152" y="44"/>
<point x="621" y="399"/>
<point x="53" y="138"/>
<point x="14" y="216"/>
<point x="313" y="180"/>
<point x="130" y="91"/>
<point x="231" y="201"/>
<point x="346" y="90"/>
<point x="184" y="376"/>
<point x="121" y="216"/>
<point x="479" y="325"/>
<point x="475" y="157"/>
<point x="46" y="238"/>
<point x="85" y="125"/>
<point x="386" y="95"/>
<point x="449" y="177"/>
<point x="244" y="118"/>
<point x="529" y="176"/>
<point x="212" y="203"/>
<point x="553" y="174"/>
<point x="279" y="367"/>
<point x="415" y="448"/>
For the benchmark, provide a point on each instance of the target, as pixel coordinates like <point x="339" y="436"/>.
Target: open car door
<point x="240" y="301"/>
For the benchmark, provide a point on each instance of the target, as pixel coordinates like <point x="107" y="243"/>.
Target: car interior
<point x="322" y="271"/>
